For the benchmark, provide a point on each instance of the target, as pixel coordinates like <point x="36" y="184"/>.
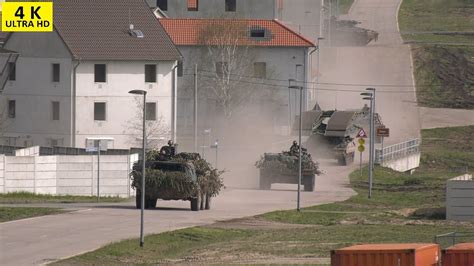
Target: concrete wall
<point x="67" y="175"/>
<point x="404" y="164"/>
<point x="2" y="173"/>
<point x="460" y="198"/>
<point x="30" y="151"/>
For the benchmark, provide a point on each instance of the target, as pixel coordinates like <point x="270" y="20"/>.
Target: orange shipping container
<point x="459" y="255"/>
<point x="387" y="255"/>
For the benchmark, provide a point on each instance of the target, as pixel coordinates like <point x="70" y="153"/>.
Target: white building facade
<point x="72" y="84"/>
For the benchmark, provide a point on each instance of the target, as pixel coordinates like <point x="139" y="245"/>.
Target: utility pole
<point x="195" y="108"/>
<point x="298" y="199"/>
<point x="98" y="170"/>
<point x="329" y="23"/>
<point x="371" y="97"/>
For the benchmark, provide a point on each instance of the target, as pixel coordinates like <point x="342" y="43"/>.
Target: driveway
<point x="384" y="65"/>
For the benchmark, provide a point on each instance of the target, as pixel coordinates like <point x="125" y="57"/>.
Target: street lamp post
<point x="318" y="70"/>
<point x="300" y="88"/>
<point x="142" y="205"/>
<point x="216" y="146"/>
<point x="371" y="98"/>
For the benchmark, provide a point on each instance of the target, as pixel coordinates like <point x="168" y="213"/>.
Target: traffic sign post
<point x="361" y="134"/>
<point x="361" y="149"/>
<point x="382" y="132"/>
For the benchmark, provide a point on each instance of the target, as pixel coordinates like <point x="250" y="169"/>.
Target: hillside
<point x="442" y="37"/>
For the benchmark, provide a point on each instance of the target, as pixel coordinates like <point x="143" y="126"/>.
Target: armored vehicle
<point x="339" y="128"/>
<point x="171" y="176"/>
<point x="283" y="168"/>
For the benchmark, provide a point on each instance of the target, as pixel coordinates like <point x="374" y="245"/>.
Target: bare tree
<point x="157" y="131"/>
<point x="227" y="48"/>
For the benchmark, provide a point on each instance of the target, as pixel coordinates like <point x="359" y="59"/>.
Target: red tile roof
<point x="188" y="32"/>
<point x="98" y="30"/>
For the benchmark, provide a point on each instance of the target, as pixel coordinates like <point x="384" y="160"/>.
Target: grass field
<point x="404" y="208"/>
<point x="16" y="213"/>
<point x="443" y="51"/>
<point x="344" y="6"/>
<point x="27" y="197"/>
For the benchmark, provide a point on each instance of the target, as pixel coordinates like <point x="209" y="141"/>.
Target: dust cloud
<point x="248" y="134"/>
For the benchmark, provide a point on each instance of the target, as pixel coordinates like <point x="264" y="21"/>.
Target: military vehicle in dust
<point x="176" y="176"/>
<point x="284" y="168"/>
<point x="338" y="128"/>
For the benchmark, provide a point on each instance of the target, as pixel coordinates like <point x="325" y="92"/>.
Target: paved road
<point x="385" y="62"/>
<point x="48" y="238"/>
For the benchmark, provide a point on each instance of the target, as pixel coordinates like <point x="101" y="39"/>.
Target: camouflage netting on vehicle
<point x="169" y="185"/>
<point x="209" y="179"/>
<point x="287" y="163"/>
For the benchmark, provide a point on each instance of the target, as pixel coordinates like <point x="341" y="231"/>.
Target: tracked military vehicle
<point x="284" y="168"/>
<point x="176" y="176"/>
<point x="339" y="128"/>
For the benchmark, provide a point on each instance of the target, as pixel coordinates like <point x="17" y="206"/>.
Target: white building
<point x="278" y="55"/>
<point x="72" y="84"/>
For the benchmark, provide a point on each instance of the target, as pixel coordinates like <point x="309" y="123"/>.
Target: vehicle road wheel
<point x="208" y="203"/>
<point x="265" y="182"/>
<point x="152" y="203"/>
<point x="201" y="205"/>
<point x="308" y="183"/>
<point x="138" y="198"/>
<point x="341" y="160"/>
<point x="196" y="202"/>
<point x="149" y="203"/>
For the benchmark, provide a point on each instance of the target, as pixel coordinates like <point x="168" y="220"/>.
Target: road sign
<point x="361" y="141"/>
<point x="91" y="149"/>
<point x="361" y="148"/>
<point x="383" y="132"/>
<point x="362" y="133"/>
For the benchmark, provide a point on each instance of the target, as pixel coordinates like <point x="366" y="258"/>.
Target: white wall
<point x="404" y="164"/>
<point x="2" y="173"/>
<point x="67" y="175"/>
<point x="121" y="106"/>
<point x="460" y="198"/>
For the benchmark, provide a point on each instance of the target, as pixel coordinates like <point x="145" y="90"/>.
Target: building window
<point x="11" y="109"/>
<point x="193" y="5"/>
<point x="222" y="68"/>
<point x="56" y="72"/>
<point x="257" y="33"/>
<point x="151" y="111"/>
<point x="230" y="5"/>
<point x="55" y="110"/>
<point x="150" y="73"/>
<point x="99" y="111"/>
<point x="260" y="70"/>
<point x="162" y="4"/>
<point x="99" y="73"/>
<point x="11" y="71"/>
